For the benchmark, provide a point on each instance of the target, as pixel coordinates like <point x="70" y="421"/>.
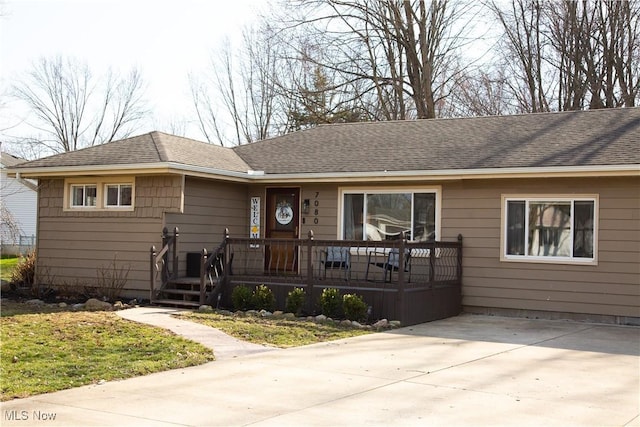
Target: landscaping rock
<point x="79" y="306"/>
<point x="356" y="324"/>
<point x="133" y="302"/>
<point x="346" y="322"/>
<point x="205" y="309"/>
<point x="395" y="323"/>
<point x="320" y="318"/>
<point x="252" y="313"/>
<point x="35" y="302"/>
<point x="289" y="316"/>
<point x="383" y="323"/>
<point x="62" y="305"/>
<point x="265" y="313"/>
<point x="97" y="305"/>
<point x="278" y="313"/>
<point x="225" y="312"/>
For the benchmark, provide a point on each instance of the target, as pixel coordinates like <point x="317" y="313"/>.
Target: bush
<point x="24" y="272"/>
<point x="263" y="298"/>
<point x="241" y="298"/>
<point x="295" y="301"/>
<point x="330" y="302"/>
<point x="354" y="307"/>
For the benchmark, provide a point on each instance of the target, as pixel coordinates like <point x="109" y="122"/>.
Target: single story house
<point x="548" y="204"/>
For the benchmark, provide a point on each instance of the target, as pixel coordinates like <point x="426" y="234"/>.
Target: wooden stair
<point x="181" y="292"/>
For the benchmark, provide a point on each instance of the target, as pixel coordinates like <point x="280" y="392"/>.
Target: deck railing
<point x="409" y="281"/>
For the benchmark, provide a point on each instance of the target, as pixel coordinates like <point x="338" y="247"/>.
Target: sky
<point x="164" y="39"/>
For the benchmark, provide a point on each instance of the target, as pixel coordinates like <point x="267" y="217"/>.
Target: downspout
<point x="26" y="183"/>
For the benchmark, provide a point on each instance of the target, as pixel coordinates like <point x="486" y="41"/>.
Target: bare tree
<point x="399" y="51"/>
<point x="239" y="96"/>
<point x="568" y="55"/>
<point x="72" y="109"/>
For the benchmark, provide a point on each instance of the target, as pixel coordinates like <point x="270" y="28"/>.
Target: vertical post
<point x="310" y="271"/>
<point x="432" y="262"/>
<point x="401" y="308"/>
<point x="460" y="259"/>
<point x="152" y="270"/>
<point x="174" y="273"/>
<point x="165" y="257"/>
<point x="203" y="273"/>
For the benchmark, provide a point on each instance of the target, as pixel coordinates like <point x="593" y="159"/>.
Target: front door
<point x="282" y="218"/>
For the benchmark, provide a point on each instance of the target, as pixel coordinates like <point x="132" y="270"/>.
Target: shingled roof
<point x="579" y="138"/>
<point x="607" y="137"/>
<point x="150" y="148"/>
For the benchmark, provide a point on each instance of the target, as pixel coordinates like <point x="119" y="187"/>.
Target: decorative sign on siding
<point x="254" y="223"/>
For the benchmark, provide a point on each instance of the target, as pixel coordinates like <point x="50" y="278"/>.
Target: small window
<point x="550" y="229"/>
<point x="84" y="195"/>
<point x="118" y="195"/>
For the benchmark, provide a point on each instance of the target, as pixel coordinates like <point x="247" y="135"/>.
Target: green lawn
<point x="46" y="352"/>
<point x="274" y="331"/>
<point x="6" y="267"/>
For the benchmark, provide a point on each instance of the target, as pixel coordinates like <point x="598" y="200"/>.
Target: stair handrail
<point x="169" y="242"/>
<point x="209" y="264"/>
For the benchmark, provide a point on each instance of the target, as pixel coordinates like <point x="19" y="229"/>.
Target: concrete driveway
<point x="468" y="371"/>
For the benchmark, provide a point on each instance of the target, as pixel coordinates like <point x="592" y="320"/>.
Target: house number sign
<point x="316" y="203"/>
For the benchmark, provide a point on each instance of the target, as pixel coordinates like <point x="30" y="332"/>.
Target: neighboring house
<point x="19" y="201"/>
<point x="548" y="204"/>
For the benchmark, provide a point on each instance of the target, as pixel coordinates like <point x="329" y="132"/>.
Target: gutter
<point x="260" y="176"/>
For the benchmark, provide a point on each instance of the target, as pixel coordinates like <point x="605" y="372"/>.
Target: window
<point x="83" y="195"/>
<point x="550" y="229"/>
<point x="118" y="195"/>
<point x="99" y="193"/>
<point x="389" y="215"/>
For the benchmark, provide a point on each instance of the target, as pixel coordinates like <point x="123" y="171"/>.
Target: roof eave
<point x="456" y="174"/>
<point x="380" y="176"/>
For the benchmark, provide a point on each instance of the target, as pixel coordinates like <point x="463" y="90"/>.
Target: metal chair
<point x="391" y="262"/>
<point x="336" y="257"/>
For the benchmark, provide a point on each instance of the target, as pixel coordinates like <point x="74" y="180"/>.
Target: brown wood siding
<point x="209" y="208"/>
<point x="74" y="247"/>
<point x="472" y="208"/>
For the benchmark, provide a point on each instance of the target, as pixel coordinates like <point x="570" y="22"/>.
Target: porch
<point x="413" y="282"/>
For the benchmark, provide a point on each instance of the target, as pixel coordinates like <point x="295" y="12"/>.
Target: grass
<point x="273" y="331"/>
<point x="6" y="267"/>
<point x="45" y="352"/>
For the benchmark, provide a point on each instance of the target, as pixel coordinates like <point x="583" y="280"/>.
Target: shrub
<point x="295" y="301"/>
<point x="263" y="298"/>
<point x="330" y="302"/>
<point x="24" y="272"/>
<point x="354" y="307"/>
<point x="112" y="279"/>
<point x="241" y="298"/>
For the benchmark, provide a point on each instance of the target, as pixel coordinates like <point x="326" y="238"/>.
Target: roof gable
<point x="149" y="148"/>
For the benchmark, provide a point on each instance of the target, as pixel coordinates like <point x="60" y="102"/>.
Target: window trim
<point x="120" y="185"/>
<point x="84" y="196"/>
<point x="436" y="189"/>
<point x="101" y="193"/>
<point x="548" y="198"/>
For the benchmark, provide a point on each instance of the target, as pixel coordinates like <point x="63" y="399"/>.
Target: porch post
<point x="152" y="281"/>
<point x="175" y="253"/>
<point x="310" y="271"/>
<point x="203" y="267"/>
<point x="401" y="308"/>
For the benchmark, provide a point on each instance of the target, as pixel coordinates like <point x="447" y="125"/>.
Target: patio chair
<point x="391" y="262"/>
<point x="336" y="257"/>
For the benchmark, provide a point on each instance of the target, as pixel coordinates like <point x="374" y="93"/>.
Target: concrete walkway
<point x="223" y="346"/>
<point x="464" y="371"/>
